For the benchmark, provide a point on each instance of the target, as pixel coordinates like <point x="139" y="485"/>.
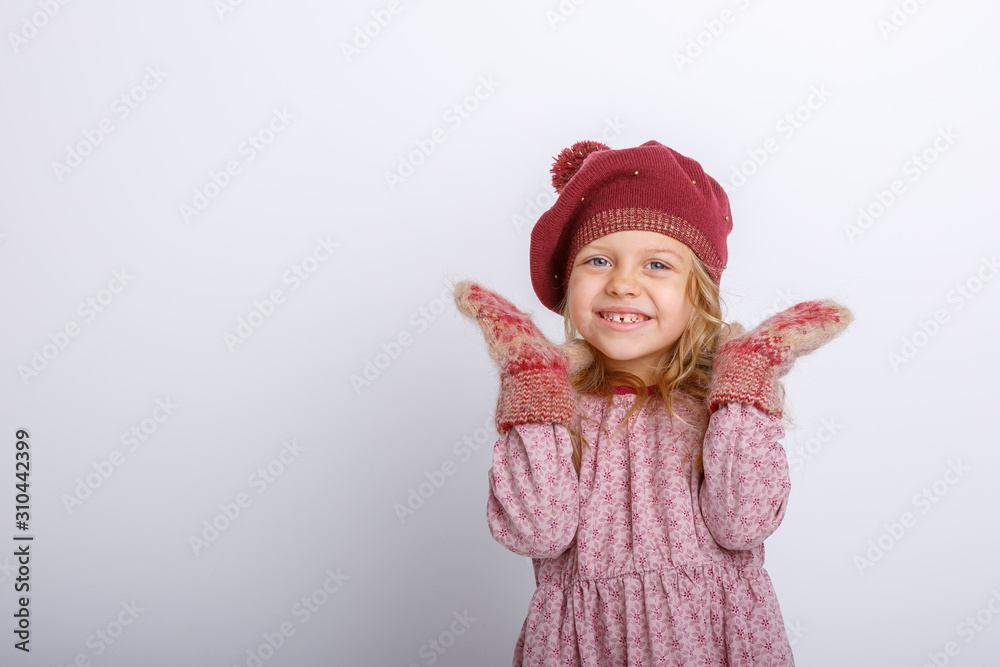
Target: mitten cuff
<point x="535" y="395"/>
<point x="748" y="378"/>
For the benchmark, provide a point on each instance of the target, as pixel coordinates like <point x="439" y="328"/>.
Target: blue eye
<point x="660" y="265"/>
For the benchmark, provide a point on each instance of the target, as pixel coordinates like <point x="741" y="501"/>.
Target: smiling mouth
<point x="623" y="318"/>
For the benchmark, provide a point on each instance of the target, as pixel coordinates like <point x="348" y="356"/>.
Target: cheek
<point x="576" y="299"/>
<point x="685" y="315"/>
<point x="574" y="315"/>
<point x="679" y="308"/>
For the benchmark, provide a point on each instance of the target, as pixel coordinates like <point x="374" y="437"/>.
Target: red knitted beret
<point x="602" y="191"/>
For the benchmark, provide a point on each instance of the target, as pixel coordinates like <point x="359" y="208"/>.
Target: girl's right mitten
<point x="534" y="373"/>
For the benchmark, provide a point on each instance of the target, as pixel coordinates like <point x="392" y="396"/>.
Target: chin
<point x="619" y="356"/>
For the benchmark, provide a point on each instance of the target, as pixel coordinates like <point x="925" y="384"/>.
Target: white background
<point x="598" y="70"/>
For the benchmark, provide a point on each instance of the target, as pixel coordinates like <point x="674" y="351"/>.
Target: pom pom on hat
<point x="569" y="161"/>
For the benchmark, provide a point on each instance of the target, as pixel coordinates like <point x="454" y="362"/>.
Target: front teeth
<point x="625" y="319"/>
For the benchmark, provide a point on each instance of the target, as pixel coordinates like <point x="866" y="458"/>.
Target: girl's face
<point x="631" y="272"/>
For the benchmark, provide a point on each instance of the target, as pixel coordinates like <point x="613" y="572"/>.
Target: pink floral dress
<point x="643" y="560"/>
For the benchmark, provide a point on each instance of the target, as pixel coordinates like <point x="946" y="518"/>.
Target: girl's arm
<point x="533" y="506"/>
<point x="746" y="476"/>
<point x="746" y="469"/>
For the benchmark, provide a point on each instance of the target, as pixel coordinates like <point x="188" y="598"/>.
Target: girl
<point x="639" y="464"/>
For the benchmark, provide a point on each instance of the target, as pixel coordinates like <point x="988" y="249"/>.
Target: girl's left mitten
<point x="534" y="372"/>
<point x="747" y="367"/>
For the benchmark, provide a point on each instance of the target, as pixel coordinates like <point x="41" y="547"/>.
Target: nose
<point x="622" y="283"/>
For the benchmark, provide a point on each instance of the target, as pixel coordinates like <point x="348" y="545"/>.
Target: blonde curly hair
<point x="683" y="372"/>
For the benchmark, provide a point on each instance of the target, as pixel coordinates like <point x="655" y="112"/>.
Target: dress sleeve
<point x="533" y="507"/>
<point x="745" y="489"/>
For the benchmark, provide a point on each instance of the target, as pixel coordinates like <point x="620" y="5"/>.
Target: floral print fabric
<point x="644" y="560"/>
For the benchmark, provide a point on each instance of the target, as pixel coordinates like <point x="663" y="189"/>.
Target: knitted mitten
<point x="747" y="367"/>
<point x="534" y="373"/>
